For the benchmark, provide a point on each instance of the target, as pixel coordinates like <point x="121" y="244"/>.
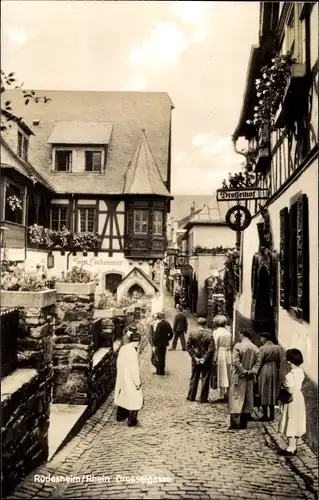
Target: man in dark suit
<point x="179" y="328"/>
<point x="162" y="335"/>
<point x="200" y="346"/>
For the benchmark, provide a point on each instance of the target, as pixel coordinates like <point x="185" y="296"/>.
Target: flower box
<point x="104" y="313"/>
<point x="45" y="298"/>
<point x="75" y="288"/>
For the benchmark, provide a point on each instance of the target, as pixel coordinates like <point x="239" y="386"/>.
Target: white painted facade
<point x="210" y="236"/>
<point x="291" y="333"/>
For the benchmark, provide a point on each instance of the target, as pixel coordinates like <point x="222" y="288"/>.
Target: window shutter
<point x="284" y="258"/>
<point x="293" y="255"/>
<point x="303" y="256"/>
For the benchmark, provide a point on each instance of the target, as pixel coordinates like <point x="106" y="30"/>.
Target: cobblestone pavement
<point x="188" y="442"/>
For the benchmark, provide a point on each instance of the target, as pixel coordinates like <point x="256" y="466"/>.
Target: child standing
<point x="293" y="418"/>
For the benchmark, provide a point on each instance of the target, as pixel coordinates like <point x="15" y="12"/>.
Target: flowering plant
<point x="62" y="238"/>
<point x="41" y="235"/>
<point x="86" y="241"/>
<point x="270" y="88"/>
<point x="231" y="276"/>
<point x="106" y="300"/>
<point x="14" y="203"/>
<point x="19" y="277"/>
<point x="76" y="275"/>
<point x="215" y="250"/>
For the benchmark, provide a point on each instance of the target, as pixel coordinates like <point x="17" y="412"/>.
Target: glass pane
<point x="97" y="157"/>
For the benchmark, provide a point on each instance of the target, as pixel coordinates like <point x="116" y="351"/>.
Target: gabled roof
<point x="142" y="175"/>
<point x="25" y="168"/>
<point x="212" y="213"/>
<point x="81" y="133"/>
<point x="14" y="119"/>
<point x="143" y="275"/>
<point x="129" y="112"/>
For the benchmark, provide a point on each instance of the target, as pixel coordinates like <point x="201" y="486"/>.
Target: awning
<point x="81" y="133"/>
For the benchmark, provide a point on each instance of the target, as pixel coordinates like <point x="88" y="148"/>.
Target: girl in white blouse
<point x="293" y="417"/>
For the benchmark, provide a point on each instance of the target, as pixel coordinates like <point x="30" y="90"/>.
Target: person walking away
<point x="152" y="328"/>
<point x="128" y="396"/>
<point x="241" y="389"/>
<point x="200" y="346"/>
<point x="177" y="295"/>
<point x="268" y="366"/>
<point x="222" y="355"/>
<point x="293" y="414"/>
<point x="163" y="334"/>
<point x="179" y="329"/>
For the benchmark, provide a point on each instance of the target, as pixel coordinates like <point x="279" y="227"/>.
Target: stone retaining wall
<point x="25" y="397"/>
<point x="73" y="348"/>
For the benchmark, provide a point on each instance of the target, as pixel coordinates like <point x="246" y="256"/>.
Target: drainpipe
<point x="72" y="231"/>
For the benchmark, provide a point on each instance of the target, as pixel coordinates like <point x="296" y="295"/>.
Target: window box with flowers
<point x="23" y="286"/>
<point x="40" y="236"/>
<point x="86" y="241"/>
<point x="77" y="281"/>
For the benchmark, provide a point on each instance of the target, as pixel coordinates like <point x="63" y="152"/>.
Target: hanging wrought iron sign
<point x="180" y="261"/>
<point x="238" y="218"/>
<point x="242" y="194"/>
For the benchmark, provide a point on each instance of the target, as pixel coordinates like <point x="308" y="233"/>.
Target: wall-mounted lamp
<point x="50" y="260"/>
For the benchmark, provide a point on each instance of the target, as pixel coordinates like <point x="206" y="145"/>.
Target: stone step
<point x="65" y="422"/>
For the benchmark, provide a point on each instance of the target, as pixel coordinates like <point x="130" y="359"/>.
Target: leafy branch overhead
<point x="8" y="115"/>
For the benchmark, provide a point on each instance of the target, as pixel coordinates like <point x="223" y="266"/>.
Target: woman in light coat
<point x="222" y="355"/>
<point x="293" y="415"/>
<point x="128" y="395"/>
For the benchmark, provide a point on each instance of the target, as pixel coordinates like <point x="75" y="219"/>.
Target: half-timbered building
<point x="106" y="158"/>
<point x="279" y="288"/>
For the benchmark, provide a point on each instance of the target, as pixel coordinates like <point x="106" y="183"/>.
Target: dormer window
<point x="63" y="161"/>
<point x="93" y="161"/>
<point x="23" y="145"/>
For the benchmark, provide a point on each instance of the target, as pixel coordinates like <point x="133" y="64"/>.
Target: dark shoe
<point x="190" y="399"/>
<point x="184" y="349"/>
<point x="264" y="419"/>
<point x="172" y="349"/>
<point x="132" y="424"/>
<point x="285" y="453"/>
<point x="271" y="418"/>
<point x="204" y="401"/>
<point x="234" y="427"/>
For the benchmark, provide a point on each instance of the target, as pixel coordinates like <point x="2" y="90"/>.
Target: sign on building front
<point x="236" y="194"/>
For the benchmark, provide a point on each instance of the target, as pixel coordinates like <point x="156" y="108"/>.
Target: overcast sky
<point x="196" y="51"/>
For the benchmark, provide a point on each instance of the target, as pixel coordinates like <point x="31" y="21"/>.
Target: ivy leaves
<point x="9" y="81"/>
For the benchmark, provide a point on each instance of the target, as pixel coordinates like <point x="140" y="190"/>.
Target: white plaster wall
<point x="124" y="287"/>
<point x="290" y="333"/>
<point x="213" y="236"/>
<point x="100" y="265"/>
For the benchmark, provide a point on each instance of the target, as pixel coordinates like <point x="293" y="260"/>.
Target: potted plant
<point x="105" y="305"/>
<point x="62" y="239"/>
<point x="86" y="241"/>
<point x="77" y="281"/>
<point x="25" y="286"/>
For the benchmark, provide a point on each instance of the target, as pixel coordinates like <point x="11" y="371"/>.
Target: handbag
<point x="257" y="399"/>
<point x="284" y="396"/>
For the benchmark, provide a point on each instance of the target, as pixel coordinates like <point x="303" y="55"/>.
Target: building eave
<point x="243" y="129"/>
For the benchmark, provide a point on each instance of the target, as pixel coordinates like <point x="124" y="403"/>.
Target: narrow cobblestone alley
<point x="188" y="442"/>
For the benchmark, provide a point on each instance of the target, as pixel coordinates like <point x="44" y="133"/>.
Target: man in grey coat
<point x="200" y="346"/>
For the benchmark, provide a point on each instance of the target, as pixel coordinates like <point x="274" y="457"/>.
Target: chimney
<point x="193" y="208"/>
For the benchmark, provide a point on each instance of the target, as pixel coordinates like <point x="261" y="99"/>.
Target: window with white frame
<point x="23" y="145"/>
<point x="140" y="221"/>
<point x="295" y="33"/>
<point x="58" y="218"/>
<point x="87" y="220"/>
<point x="63" y="161"/>
<point x="158" y="223"/>
<point x="93" y="161"/>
